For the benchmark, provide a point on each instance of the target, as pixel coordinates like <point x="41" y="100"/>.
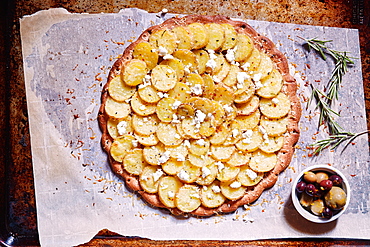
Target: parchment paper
<point x="66" y="61"/>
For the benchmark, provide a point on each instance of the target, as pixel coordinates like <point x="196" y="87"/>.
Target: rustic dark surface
<point x="18" y="223"/>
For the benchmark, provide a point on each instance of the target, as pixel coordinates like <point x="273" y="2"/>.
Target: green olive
<point x="317" y="207"/>
<point x="320" y="176"/>
<point x="336" y="198"/>
<point x="309" y="177"/>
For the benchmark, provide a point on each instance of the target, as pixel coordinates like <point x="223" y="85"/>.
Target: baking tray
<point x="18" y="219"/>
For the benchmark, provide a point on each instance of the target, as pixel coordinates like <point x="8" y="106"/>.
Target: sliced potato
<point x="272" y="85"/>
<point x="276" y="107"/>
<point x="253" y="61"/>
<point x="246" y="109"/>
<point x="178" y="152"/>
<point x="141" y="107"/>
<point x="239" y="158"/>
<point x="262" y="162"/>
<point x="189" y="172"/>
<point x="223" y="95"/>
<point x="118" y="127"/>
<point x="150" y="140"/>
<point x="149" y="178"/>
<point x="184" y="39"/>
<point x="266" y="65"/>
<point x="168" y="135"/>
<point x="133" y="72"/>
<point x="117" y="109"/>
<point x="180" y="92"/>
<point x="164" y="39"/>
<point x="119" y="91"/>
<point x="121" y="146"/>
<point x="231" y="78"/>
<point x="134" y="162"/>
<point x="250" y="121"/>
<point x="248" y="177"/>
<point x="176" y="65"/>
<point x="274" y="127"/>
<point x="153" y="154"/>
<point x="208" y="127"/>
<point x="243" y="48"/>
<point x="145" y="52"/>
<point x="209" y="173"/>
<point x="148" y="94"/>
<point x="190" y="128"/>
<point x="199" y="147"/>
<point x="200" y="160"/>
<point x="221" y="134"/>
<point x="172" y="166"/>
<point x="220" y="75"/>
<point x="232" y="193"/>
<point x="216" y="36"/>
<point x="164" y="78"/>
<point x="272" y="144"/>
<point x="230" y="36"/>
<point x="202" y="59"/>
<point x="245" y="93"/>
<point x="167" y="190"/>
<point x="250" y="141"/>
<point x="210" y="198"/>
<point x="199" y="35"/>
<point x="188" y="198"/>
<point x="165" y="110"/>
<point x="145" y="125"/>
<point x="228" y="173"/>
<point x="221" y="152"/>
<point x="188" y="59"/>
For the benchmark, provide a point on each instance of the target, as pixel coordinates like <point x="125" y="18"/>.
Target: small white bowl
<point x="308" y="215"/>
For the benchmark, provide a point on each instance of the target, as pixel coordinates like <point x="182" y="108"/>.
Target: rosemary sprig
<point x="341" y="65"/>
<point x="335" y="140"/>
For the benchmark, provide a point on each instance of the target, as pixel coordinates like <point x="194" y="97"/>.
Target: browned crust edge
<point x="290" y="88"/>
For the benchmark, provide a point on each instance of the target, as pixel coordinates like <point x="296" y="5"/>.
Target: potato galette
<point x="200" y="115"/>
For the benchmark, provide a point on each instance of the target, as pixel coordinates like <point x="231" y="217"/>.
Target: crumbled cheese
<point x="201" y="142"/>
<point x="142" y="107"/>
<point x="216" y="189"/>
<point x="180" y="157"/>
<point x="235" y="184"/>
<point x="176" y="104"/>
<point x="228" y="108"/>
<point x="216" y="79"/>
<point x="220" y="165"/>
<point x="157" y="174"/>
<point x="187" y="68"/>
<point x="245" y="66"/>
<point x="167" y="57"/>
<point x="171" y="194"/>
<point x="140" y="123"/>
<point x="164" y="157"/>
<point x="195" y="196"/>
<point x="175" y="119"/>
<point x="135" y="143"/>
<point x="247" y="133"/>
<point x="251" y="174"/>
<point x="121" y="127"/>
<point x="177" y="136"/>
<point x="235" y="132"/>
<point x="200" y="116"/>
<point x="187" y="143"/>
<point x="162" y="51"/>
<point x="257" y="77"/>
<point x="262" y="130"/>
<point x="205" y="172"/>
<point x="241" y="77"/>
<point x="162" y="95"/>
<point x="230" y="55"/>
<point x="211" y="64"/>
<point x="196" y="89"/>
<point x="275" y="101"/>
<point x="183" y="175"/>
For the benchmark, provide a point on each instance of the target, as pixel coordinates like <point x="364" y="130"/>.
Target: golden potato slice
<point x="164" y="40"/>
<point x="166" y="110"/>
<point x="215" y="62"/>
<point x="272" y="144"/>
<point x="230" y="36"/>
<point x="164" y="78"/>
<point x="246" y="109"/>
<point x="272" y="85"/>
<point x="220" y="75"/>
<point x="189" y="172"/>
<point x="276" y="107"/>
<point x="221" y="152"/>
<point x="153" y="154"/>
<point x="178" y="152"/>
<point x="209" y="173"/>
<point x="180" y="92"/>
<point x="208" y="127"/>
<point x="266" y="65"/>
<point x="167" y="190"/>
<point x="134" y="162"/>
<point x="188" y="59"/>
<point x="253" y="61"/>
<point x="210" y="198"/>
<point x="227" y="173"/>
<point x="221" y="134"/>
<point x="243" y="48"/>
<point x="245" y="93"/>
<point x="133" y="72"/>
<point x="203" y="104"/>
<point x="145" y="125"/>
<point x="274" y="127"/>
<point x="150" y="140"/>
<point x="168" y="135"/>
<point x="199" y="35"/>
<point x="219" y="113"/>
<point x="118" y="127"/>
<point x="119" y="91"/>
<point x="117" y="109"/>
<point x="184" y="39"/>
<point x="172" y="166"/>
<point x="239" y="158"/>
<point x="148" y="94"/>
<point x="231" y="190"/>
<point x="141" y="107"/>
<point x="250" y="121"/>
<point x="200" y="160"/>
<point x="250" y="140"/>
<point x="121" y="146"/>
<point x="190" y="128"/>
<point x="176" y="65"/>
<point x="199" y="147"/>
<point x="149" y="178"/>
<point x="223" y="95"/>
<point x="208" y="87"/>
<point x="262" y="162"/>
<point x="234" y="132"/>
<point x="230" y="79"/>
<point x="188" y="198"/>
<point x="202" y="59"/>
<point x="216" y="36"/>
<point x="146" y="52"/>
<point x="195" y="83"/>
<point x="248" y="177"/>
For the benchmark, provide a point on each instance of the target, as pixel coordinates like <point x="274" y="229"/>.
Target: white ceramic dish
<point x="308" y="215"/>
